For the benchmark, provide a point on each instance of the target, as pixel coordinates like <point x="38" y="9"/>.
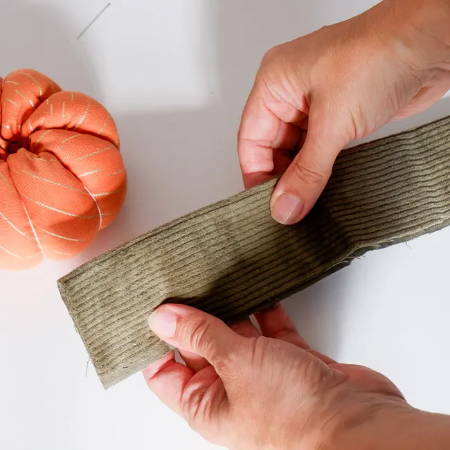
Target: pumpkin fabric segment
<point x="62" y="177"/>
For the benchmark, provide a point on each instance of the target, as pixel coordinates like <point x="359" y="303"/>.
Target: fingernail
<point x="287" y="208"/>
<point x="163" y="323"/>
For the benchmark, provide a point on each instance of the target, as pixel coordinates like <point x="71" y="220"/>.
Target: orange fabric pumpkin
<point x="62" y="178"/>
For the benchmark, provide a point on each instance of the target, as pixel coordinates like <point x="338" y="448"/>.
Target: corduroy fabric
<point x="231" y="259"/>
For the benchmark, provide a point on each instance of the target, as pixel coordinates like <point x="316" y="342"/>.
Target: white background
<point x="175" y="74"/>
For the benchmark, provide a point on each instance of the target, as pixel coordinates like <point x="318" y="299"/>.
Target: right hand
<point x="319" y="92"/>
<point x="246" y="389"/>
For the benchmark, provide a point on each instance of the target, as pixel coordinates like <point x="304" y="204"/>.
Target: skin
<point x="319" y="92"/>
<point x="247" y="387"/>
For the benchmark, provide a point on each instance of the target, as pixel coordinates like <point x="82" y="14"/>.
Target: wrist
<point x="347" y="420"/>
<point x="420" y="34"/>
<point x="391" y="426"/>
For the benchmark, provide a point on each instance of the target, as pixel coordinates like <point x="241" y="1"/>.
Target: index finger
<point x="268" y="126"/>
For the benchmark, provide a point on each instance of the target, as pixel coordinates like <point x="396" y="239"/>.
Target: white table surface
<point x="175" y="74"/>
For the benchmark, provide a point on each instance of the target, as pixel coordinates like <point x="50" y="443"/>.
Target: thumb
<point x="190" y="329"/>
<point x="304" y="180"/>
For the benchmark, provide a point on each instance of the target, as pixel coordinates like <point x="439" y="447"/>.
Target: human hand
<point x="249" y="390"/>
<point x="321" y="91"/>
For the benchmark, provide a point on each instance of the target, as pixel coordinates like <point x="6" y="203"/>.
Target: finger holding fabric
<point x="341" y="83"/>
<point x="272" y="391"/>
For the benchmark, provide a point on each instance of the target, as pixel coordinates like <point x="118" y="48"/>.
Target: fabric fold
<point x="232" y="259"/>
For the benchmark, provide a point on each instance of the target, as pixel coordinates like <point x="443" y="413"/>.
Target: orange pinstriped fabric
<point x="62" y="177"/>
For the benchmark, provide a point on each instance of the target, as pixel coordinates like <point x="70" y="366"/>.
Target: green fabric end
<point x="231" y="259"/>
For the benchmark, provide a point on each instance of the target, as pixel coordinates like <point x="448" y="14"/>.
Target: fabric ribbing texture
<point x="232" y="259"/>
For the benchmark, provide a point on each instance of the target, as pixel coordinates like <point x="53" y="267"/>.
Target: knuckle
<point x="272" y="55"/>
<point x="308" y="175"/>
<point x="199" y="332"/>
<point x="201" y="335"/>
<point x="325" y="28"/>
<point x="258" y="349"/>
<point x="316" y="376"/>
<point x="192" y="401"/>
<point x="225" y="363"/>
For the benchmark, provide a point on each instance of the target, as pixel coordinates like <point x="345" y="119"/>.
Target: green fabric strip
<point x="231" y="259"/>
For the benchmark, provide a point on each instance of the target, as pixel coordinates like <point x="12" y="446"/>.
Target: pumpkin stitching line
<point x="31" y="77"/>
<point x="52" y="208"/>
<point x="60" y="236"/>
<point x="12" y="225"/>
<point x="47" y="180"/>
<point x="16" y="255"/>
<point x="36" y="238"/>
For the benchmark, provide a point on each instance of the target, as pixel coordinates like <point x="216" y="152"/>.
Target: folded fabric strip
<point x="231" y="259"/>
